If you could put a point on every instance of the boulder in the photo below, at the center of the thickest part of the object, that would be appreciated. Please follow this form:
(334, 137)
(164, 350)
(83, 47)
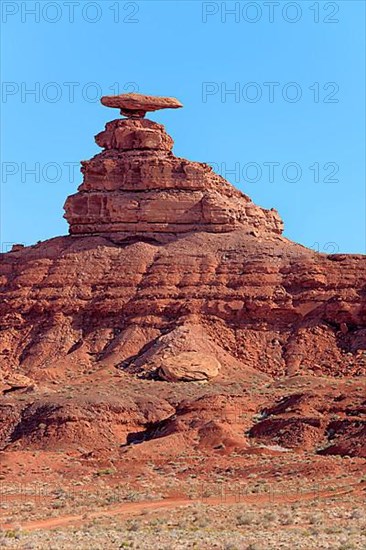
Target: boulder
(189, 366)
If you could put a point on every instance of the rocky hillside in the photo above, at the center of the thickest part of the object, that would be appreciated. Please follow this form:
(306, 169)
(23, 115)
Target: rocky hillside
(172, 278)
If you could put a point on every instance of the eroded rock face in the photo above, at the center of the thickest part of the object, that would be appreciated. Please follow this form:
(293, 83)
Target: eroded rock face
(133, 135)
(170, 276)
(273, 306)
(327, 420)
(136, 186)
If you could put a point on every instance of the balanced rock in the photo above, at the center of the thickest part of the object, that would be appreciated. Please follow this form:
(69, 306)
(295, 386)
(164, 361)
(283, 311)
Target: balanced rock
(171, 275)
(136, 186)
(137, 105)
(156, 239)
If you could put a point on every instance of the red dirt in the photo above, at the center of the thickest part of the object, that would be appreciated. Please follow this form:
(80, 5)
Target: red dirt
(134, 509)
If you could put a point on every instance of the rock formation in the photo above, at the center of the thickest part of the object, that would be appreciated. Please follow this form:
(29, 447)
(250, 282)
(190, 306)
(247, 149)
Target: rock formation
(171, 276)
(136, 186)
(137, 105)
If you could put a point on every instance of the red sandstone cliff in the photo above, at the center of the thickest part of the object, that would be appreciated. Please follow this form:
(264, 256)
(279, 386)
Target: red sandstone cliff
(171, 275)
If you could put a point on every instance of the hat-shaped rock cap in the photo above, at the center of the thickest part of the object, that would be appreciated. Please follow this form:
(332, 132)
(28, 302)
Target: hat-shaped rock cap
(137, 105)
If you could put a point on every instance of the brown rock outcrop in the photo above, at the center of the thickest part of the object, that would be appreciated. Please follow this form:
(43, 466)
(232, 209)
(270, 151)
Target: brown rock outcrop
(325, 420)
(136, 186)
(170, 275)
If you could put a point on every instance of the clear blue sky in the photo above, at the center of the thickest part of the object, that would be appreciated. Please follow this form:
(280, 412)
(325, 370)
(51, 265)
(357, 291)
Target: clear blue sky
(198, 52)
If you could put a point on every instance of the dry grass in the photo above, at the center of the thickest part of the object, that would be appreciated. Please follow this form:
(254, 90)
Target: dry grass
(337, 524)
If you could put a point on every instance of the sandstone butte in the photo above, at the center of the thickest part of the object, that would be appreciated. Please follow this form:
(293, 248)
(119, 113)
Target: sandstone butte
(176, 315)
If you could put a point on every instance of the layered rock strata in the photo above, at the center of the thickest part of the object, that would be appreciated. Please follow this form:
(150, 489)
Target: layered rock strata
(136, 186)
(173, 285)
